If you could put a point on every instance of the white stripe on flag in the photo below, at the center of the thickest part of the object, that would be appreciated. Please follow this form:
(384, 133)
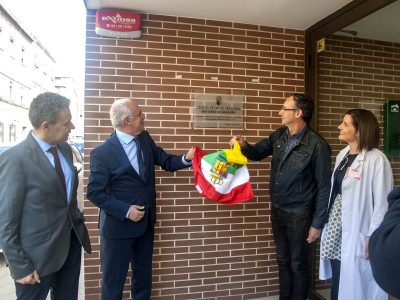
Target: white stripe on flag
(229, 183)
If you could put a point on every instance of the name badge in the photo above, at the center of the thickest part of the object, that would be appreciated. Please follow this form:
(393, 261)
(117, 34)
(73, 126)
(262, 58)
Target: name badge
(354, 173)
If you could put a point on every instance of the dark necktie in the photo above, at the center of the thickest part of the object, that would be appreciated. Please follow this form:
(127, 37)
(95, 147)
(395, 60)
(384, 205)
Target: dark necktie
(142, 168)
(57, 165)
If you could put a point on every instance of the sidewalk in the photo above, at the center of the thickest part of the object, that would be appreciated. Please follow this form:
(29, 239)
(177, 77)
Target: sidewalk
(7, 288)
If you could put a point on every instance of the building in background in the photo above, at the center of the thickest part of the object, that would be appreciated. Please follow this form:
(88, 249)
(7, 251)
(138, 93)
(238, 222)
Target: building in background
(66, 86)
(26, 69)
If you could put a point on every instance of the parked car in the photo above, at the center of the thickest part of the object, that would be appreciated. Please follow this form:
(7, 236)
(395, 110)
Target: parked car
(4, 147)
(78, 164)
(78, 141)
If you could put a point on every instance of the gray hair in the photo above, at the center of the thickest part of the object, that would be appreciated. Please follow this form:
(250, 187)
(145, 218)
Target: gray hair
(119, 111)
(46, 108)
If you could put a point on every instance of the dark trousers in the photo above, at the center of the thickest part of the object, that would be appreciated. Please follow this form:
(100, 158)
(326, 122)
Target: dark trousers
(116, 255)
(290, 233)
(63, 284)
(335, 265)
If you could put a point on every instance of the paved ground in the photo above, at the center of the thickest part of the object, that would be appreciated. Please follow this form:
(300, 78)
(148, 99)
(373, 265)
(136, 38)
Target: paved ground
(6, 284)
(7, 289)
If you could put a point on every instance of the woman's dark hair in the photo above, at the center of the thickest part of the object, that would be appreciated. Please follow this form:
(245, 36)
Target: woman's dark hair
(306, 105)
(367, 127)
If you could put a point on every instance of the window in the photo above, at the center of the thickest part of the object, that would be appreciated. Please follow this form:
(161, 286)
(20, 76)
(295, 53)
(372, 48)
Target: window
(35, 62)
(22, 55)
(1, 42)
(12, 44)
(1, 132)
(21, 96)
(11, 92)
(13, 133)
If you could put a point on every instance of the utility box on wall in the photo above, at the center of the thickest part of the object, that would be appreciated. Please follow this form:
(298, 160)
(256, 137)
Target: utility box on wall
(392, 128)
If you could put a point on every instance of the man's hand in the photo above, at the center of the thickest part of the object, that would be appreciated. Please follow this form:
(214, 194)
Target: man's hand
(30, 279)
(136, 213)
(189, 155)
(238, 138)
(313, 234)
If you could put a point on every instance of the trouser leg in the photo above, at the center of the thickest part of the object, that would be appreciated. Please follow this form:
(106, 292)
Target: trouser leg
(115, 257)
(66, 281)
(142, 266)
(335, 265)
(282, 253)
(298, 226)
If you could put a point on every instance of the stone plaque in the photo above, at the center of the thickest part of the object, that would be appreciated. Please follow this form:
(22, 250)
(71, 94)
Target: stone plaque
(218, 111)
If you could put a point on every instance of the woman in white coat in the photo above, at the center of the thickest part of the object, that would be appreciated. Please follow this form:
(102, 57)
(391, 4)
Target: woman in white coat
(361, 181)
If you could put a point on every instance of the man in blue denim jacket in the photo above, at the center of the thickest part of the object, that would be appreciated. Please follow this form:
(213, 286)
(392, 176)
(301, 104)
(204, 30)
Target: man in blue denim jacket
(299, 190)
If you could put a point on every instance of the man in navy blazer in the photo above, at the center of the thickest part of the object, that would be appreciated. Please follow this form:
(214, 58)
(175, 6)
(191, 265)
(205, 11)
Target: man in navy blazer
(122, 185)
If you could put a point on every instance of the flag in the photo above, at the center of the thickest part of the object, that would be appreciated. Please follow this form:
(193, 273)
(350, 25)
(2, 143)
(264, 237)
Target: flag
(222, 176)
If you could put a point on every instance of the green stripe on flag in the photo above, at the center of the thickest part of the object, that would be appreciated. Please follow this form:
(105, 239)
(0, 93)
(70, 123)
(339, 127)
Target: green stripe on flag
(221, 156)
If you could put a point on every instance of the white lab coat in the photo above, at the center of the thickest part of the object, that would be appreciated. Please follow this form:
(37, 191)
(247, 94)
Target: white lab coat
(365, 187)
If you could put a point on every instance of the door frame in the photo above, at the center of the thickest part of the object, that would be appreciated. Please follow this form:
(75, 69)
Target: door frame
(343, 17)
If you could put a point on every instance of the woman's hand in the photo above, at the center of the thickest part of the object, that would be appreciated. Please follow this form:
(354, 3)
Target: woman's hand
(366, 252)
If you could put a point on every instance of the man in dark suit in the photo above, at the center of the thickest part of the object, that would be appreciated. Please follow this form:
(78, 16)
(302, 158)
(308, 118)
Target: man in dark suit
(122, 185)
(384, 248)
(41, 228)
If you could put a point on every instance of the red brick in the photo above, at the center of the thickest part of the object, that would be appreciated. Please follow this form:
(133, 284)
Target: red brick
(171, 25)
(150, 38)
(162, 32)
(191, 34)
(162, 18)
(191, 48)
(233, 32)
(145, 66)
(178, 68)
(131, 43)
(218, 23)
(101, 41)
(245, 26)
(191, 20)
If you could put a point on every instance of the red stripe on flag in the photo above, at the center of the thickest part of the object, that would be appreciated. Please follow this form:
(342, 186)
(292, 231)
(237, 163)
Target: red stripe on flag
(239, 194)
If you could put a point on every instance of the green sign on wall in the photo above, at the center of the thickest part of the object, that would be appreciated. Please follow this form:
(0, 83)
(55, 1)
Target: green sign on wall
(392, 128)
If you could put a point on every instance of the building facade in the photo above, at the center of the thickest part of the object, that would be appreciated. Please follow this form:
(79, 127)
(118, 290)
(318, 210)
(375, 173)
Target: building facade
(204, 250)
(26, 69)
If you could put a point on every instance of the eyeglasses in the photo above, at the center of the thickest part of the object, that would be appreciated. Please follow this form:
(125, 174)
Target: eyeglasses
(285, 109)
(139, 115)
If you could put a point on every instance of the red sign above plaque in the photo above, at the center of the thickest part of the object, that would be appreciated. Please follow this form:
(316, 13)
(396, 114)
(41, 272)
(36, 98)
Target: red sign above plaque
(118, 23)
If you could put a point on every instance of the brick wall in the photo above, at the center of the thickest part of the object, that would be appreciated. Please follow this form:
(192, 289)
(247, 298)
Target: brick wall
(356, 73)
(202, 250)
